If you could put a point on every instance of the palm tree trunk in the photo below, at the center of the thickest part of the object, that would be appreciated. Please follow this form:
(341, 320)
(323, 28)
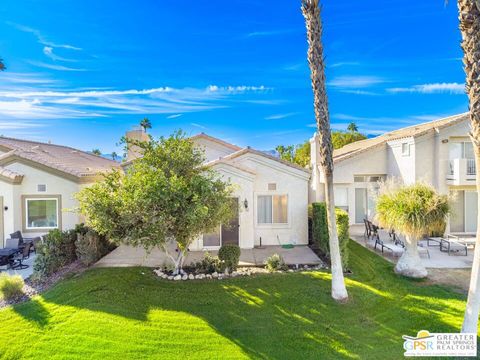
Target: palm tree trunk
(311, 12)
(469, 15)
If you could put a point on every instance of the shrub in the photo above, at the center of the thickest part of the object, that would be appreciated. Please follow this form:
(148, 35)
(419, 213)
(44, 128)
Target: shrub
(11, 286)
(91, 246)
(320, 230)
(274, 263)
(56, 251)
(230, 255)
(209, 264)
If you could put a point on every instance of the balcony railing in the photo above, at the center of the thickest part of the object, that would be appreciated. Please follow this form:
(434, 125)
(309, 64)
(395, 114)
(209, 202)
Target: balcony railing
(471, 170)
(461, 171)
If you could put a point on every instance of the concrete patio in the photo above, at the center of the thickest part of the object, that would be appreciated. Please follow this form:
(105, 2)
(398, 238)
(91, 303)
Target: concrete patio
(437, 260)
(25, 273)
(125, 256)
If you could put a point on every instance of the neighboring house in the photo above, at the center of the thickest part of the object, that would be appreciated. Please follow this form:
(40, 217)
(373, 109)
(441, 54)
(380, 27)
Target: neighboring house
(438, 152)
(271, 195)
(38, 182)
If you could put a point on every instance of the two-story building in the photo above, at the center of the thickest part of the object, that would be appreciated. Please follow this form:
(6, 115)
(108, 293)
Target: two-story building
(438, 152)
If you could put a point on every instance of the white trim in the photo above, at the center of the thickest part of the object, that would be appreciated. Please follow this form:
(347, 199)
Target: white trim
(43, 227)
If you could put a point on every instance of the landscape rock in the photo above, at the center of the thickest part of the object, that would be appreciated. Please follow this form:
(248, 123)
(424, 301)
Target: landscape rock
(177, 277)
(185, 277)
(215, 275)
(170, 277)
(208, 276)
(191, 277)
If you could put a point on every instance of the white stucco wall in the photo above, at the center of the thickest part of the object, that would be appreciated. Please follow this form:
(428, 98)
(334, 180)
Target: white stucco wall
(289, 181)
(399, 165)
(212, 149)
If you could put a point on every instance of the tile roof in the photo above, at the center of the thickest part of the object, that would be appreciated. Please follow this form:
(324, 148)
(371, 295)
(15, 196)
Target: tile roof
(412, 131)
(70, 161)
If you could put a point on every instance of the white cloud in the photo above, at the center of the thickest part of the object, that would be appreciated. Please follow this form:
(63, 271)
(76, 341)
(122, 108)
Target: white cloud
(350, 82)
(279, 116)
(344, 63)
(434, 88)
(41, 39)
(53, 66)
(35, 103)
(198, 126)
(174, 116)
(48, 51)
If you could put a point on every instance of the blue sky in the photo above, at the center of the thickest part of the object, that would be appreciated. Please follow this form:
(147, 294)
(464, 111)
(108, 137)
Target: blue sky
(81, 73)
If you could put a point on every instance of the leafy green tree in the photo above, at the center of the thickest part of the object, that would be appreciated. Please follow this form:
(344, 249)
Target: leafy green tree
(114, 155)
(412, 210)
(165, 197)
(341, 138)
(285, 152)
(302, 154)
(145, 124)
(96, 152)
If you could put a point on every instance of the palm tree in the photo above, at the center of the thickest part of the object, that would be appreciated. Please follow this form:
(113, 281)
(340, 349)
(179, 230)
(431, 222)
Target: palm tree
(2, 65)
(311, 12)
(114, 155)
(469, 15)
(96, 152)
(145, 124)
(352, 127)
(412, 210)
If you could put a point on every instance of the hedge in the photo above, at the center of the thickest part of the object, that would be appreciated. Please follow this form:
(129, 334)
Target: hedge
(318, 213)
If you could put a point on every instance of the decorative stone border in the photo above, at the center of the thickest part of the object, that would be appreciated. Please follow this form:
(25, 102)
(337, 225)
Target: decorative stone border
(246, 271)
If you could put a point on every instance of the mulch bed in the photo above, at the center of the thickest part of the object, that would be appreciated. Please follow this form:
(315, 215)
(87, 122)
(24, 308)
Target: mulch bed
(32, 288)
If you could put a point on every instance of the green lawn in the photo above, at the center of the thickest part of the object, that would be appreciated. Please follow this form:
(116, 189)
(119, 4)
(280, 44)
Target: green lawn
(130, 314)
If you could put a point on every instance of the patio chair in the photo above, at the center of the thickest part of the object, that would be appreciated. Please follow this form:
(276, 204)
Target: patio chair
(18, 259)
(394, 248)
(368, 230)
(22, 240)
(12, 243)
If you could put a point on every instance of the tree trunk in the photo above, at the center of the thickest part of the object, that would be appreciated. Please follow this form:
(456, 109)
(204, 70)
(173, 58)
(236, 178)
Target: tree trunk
(311, 12)
(177, 261)
(410, 263)
(469, 16)
(339, 291)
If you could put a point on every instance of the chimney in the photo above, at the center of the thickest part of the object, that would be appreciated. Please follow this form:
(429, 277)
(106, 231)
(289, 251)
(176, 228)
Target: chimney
(139, 134)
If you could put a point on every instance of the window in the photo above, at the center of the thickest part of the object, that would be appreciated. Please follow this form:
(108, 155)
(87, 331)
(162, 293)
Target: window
(272, 209)
(359, 178)
(461, 150)
(406, 149)
(41, 213)
(341, 197)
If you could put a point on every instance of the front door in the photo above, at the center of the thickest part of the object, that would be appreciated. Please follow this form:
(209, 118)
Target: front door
(225, 234)
(230, 232)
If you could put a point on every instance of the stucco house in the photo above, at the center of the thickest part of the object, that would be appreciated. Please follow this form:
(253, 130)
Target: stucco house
(271, 195)
(438, 152)
(37, 184)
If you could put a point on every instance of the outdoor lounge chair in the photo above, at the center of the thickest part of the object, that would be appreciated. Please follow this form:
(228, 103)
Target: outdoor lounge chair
(18, 259)
(394, 248)
(452, 244)
(399, 242)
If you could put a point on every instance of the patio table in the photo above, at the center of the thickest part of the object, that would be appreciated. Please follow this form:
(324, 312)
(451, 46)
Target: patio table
(8, 253)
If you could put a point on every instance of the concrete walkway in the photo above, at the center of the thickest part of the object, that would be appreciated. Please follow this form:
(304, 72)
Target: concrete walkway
(125, 256)
(24, 273)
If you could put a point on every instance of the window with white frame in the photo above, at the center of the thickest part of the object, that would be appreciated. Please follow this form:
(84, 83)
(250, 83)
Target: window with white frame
(406, 149)
(272, 209)
(341, 197)
(41, 213)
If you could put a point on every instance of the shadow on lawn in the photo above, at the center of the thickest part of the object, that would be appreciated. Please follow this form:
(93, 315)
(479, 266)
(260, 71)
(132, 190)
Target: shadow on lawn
(280, 316)
(34, 312)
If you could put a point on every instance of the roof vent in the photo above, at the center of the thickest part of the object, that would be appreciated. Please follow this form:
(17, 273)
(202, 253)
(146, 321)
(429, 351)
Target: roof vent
(272, 186)
(41, 188)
